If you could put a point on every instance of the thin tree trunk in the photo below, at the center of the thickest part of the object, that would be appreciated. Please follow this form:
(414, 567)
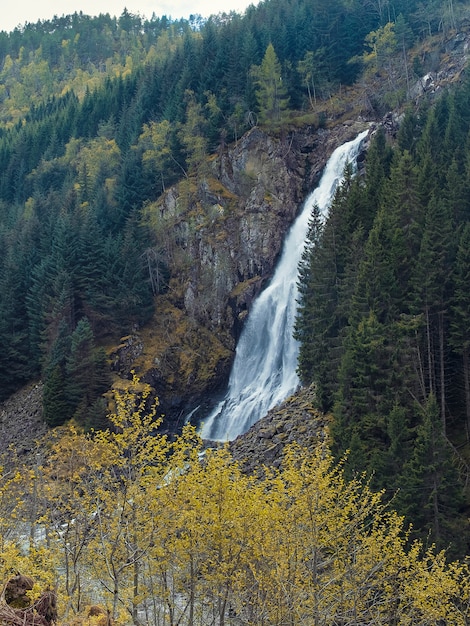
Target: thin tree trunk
(405, 60)
(442, 371)
(435, 504)
(192, 593)
(136, 568)
(430, 359)
(466, 376)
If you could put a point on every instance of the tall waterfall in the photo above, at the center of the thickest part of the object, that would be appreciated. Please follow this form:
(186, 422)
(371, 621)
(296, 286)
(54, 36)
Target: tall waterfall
(264, 370)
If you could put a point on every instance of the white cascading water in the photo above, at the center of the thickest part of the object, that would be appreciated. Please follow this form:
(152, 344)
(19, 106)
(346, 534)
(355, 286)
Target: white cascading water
(264, 371)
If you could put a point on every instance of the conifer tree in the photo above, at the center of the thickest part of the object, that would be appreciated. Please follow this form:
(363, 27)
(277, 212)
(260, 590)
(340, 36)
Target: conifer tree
(271, 93)
(460, 318)
(56, 405)
(305, 328)
(378, 160)
(329, 268)
(456, 192)
(377, 288)
(403, 200)
(16, 361)
(87, 372)
(362, 402)
(431, 281)
(431, 492)
(192, 133)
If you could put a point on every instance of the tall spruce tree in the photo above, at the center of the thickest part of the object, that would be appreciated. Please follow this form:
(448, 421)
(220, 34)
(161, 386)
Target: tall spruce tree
(431, 493)
(431, 283)
(271, 93)
(460, 321)
(363, 400)
(306, 327)
(87, 374)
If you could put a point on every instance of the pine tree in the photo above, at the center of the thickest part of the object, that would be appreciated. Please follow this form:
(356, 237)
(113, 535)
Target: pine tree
(362, 402)
(378, 160)
(402, 197)
(431, 492)
(17, 364)
(460, 317)
(79, 363)
(192, 134)
(271, 93)
(306, 326)
(431, 281)
(377, 287)
(56, 405)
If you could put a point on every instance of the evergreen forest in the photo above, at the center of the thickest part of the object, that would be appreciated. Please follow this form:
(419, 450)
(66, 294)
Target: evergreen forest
(383, 318)
(100, 116)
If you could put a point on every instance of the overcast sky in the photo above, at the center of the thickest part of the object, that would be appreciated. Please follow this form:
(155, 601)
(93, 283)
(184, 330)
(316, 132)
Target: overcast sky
(15, 12)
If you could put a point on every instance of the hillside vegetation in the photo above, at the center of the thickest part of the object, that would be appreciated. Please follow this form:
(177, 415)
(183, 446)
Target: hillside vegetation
(383, 317)
(139, 530)
(92, 134)
(120, 139)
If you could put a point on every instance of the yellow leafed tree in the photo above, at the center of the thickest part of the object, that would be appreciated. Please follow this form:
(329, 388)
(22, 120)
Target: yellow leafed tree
(162, 534)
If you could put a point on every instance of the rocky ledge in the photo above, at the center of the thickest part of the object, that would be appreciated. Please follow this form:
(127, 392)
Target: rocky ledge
(222, 234)
(294, 421)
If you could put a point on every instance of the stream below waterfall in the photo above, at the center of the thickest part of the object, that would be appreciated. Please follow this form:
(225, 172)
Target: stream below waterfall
(264, 371)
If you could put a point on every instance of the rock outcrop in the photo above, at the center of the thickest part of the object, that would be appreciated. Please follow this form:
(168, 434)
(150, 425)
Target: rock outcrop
(294, 421)
(21, 423)
(222, 234)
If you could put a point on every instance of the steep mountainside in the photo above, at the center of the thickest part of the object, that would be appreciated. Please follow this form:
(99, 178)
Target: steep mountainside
(217, 237)
(227, 232)
(145, 191)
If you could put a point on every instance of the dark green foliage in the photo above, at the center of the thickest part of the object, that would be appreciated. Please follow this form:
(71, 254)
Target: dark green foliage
(15, 365)
(383, 284)
(393, 303)
(360, 406)
(306, 325)
(75, 375)
(460, 324)
(328, 271)
(55, 402)
(86, 369)
(379, 157)
(432, 493)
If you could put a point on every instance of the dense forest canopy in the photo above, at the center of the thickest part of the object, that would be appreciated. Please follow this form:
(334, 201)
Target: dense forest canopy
(383, 317)
(99, 116)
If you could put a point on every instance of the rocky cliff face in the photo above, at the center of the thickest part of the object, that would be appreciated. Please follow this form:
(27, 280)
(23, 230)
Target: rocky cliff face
(222, 234)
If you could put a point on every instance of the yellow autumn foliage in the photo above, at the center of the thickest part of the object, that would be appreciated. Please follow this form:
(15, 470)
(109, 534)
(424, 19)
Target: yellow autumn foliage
(156, 531)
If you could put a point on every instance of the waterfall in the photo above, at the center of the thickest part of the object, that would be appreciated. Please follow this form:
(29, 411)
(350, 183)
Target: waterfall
(264, 370)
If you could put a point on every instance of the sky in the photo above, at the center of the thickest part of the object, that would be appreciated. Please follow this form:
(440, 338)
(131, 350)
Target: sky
(17, 12)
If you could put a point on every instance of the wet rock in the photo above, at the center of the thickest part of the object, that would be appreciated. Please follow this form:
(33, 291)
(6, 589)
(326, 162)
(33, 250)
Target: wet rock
(227, 232)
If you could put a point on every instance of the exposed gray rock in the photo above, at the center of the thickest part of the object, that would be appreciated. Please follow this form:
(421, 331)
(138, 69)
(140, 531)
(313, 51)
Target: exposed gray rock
(294, 421)
(21, 423)
(126, 353)
(225, 232)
